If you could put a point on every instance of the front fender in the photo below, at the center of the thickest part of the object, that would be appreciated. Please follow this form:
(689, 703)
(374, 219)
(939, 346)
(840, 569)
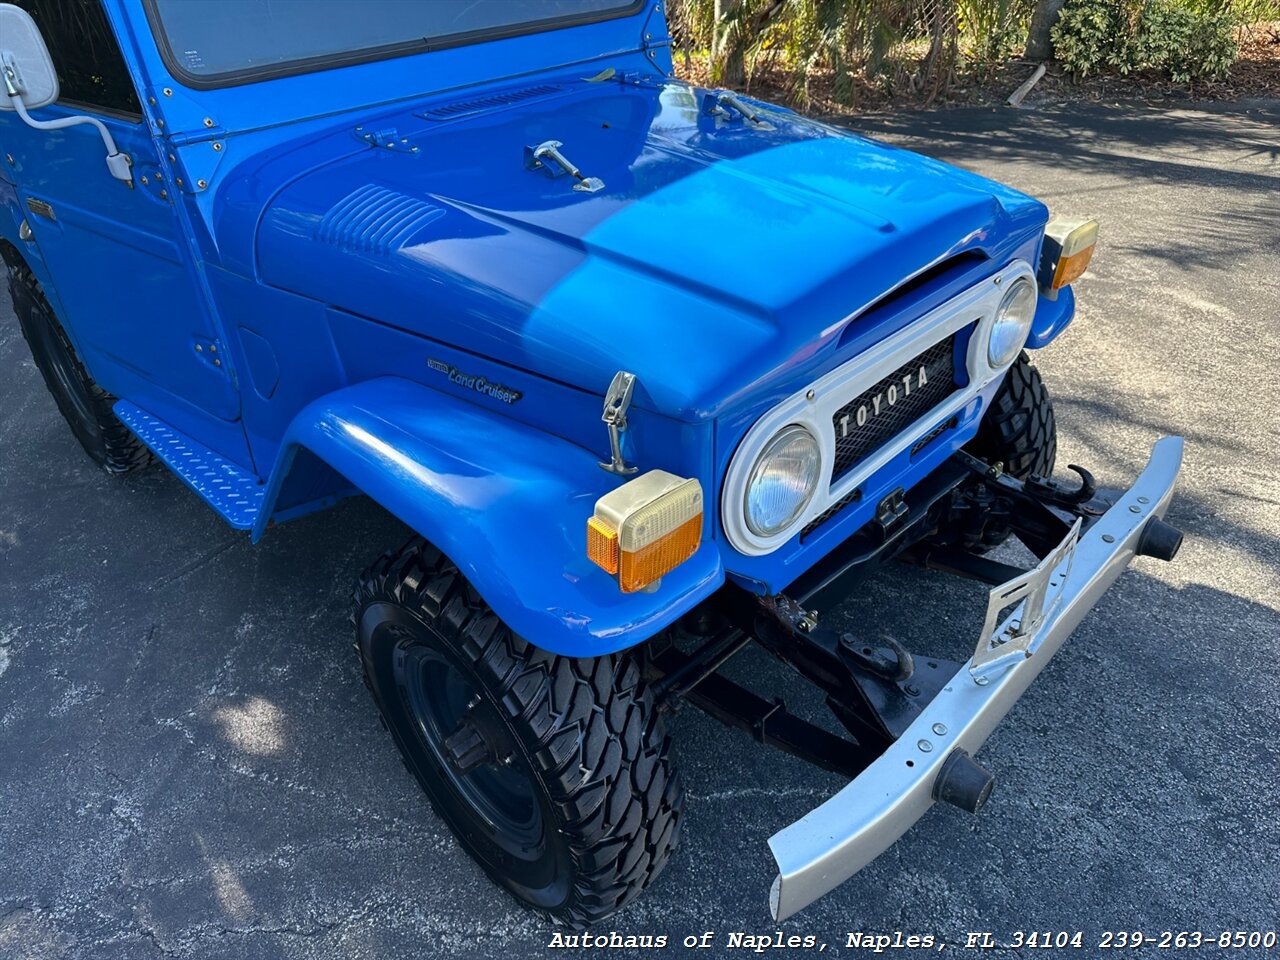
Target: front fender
(1052, 317)
(507, 503)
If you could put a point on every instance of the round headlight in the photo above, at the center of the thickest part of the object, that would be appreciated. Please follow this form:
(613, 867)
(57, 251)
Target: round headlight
(783, 481)
(1012, 323)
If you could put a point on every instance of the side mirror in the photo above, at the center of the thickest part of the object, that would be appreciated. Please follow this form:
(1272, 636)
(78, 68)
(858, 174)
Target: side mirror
(31, 82)
(25, 59)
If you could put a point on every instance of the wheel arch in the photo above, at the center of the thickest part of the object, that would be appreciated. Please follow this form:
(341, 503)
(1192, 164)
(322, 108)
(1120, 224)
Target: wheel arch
(508, 504)
(13, 249)
(15, 257)
(16, 252)
(10, 254)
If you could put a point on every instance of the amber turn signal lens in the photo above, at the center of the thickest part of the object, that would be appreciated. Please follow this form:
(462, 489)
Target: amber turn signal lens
(602, 545)
(648, 564)
(646, 528)
(1071, 268)
(1066, 252)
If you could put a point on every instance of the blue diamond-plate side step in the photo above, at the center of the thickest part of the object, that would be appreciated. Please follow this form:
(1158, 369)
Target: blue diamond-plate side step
(230, 489)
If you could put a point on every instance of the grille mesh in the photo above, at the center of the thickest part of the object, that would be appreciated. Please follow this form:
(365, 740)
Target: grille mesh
(882, 411)
(934, 434)
(828, 513)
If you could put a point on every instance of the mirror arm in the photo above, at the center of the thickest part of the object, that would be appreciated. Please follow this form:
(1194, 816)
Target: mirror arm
(118, 163)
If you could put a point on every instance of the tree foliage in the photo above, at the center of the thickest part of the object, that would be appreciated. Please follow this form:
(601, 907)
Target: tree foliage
(923, 47)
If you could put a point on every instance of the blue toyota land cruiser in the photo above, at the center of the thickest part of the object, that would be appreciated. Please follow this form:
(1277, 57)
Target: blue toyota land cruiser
(653, 372)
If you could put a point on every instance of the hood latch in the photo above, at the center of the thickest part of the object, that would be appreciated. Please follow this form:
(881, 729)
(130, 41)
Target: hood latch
(722, 103)
(617, 401)
(536, 158)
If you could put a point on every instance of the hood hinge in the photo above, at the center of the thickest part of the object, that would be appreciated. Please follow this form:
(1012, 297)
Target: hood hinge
(656, 41)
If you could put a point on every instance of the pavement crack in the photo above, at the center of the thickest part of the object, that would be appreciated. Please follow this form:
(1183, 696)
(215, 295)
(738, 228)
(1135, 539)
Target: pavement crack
(203, 560)
(149, 935)
(13, 909)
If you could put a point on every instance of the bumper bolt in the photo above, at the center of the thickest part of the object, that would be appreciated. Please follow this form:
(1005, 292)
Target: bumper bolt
(925, 746)
(940, 729)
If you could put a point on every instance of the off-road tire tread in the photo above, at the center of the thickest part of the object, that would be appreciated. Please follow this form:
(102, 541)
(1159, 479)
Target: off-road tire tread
(1019, 430)
(122, 451)
(588, 725)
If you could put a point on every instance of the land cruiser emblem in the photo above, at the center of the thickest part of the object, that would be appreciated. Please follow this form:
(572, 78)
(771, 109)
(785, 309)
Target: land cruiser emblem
(474, 381)
(883, 400)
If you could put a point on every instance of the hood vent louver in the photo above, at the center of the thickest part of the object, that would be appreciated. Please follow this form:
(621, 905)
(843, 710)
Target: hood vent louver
(375, 220)
(467, 108)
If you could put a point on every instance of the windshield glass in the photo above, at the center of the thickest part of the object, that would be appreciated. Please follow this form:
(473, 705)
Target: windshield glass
(209, 39)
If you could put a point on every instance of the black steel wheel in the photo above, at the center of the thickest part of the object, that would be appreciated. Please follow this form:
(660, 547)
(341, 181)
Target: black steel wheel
(1019, 429)
(554, 773)
(83, 404)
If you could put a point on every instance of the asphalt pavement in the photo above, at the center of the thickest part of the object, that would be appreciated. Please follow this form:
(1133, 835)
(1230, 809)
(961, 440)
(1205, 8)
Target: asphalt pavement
(190, 766)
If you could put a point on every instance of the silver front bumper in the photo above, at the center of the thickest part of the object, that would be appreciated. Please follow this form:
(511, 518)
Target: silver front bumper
(836, 840)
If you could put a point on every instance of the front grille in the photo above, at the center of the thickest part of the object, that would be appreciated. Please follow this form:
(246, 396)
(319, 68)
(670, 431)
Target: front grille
(883, 411)
(830, 512)
(934, 434)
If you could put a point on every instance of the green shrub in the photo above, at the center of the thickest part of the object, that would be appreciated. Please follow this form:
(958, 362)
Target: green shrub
(1187, 43)
(1091, 35)
(1185, 40)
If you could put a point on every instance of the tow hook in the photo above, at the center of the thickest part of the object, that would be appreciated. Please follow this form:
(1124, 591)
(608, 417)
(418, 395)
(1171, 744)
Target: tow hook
(963, 782)
(863, 656)
(1048, 491)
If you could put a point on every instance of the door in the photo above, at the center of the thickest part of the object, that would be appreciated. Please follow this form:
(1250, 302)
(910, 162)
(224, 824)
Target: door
(125, 286)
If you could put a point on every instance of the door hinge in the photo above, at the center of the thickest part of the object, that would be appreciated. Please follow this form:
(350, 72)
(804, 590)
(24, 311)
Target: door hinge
(211, 352)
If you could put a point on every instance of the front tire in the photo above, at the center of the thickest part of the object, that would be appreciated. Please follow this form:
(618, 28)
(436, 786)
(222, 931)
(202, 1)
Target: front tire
(1019, 429)
(554, 773)
(83, 404)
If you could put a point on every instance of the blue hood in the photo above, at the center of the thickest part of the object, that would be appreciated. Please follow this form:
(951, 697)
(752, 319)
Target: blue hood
(720, 256)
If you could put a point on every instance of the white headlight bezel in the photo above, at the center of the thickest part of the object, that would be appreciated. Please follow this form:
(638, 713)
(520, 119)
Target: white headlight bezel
(1001, 317)
(778, 440)
(814, 405)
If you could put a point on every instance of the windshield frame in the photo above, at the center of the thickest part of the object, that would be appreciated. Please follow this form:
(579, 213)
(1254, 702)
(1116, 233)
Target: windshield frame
(291, 68)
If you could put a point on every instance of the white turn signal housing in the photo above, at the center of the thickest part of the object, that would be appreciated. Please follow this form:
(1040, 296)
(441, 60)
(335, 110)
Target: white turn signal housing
(645, 529)
(1068, 248)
